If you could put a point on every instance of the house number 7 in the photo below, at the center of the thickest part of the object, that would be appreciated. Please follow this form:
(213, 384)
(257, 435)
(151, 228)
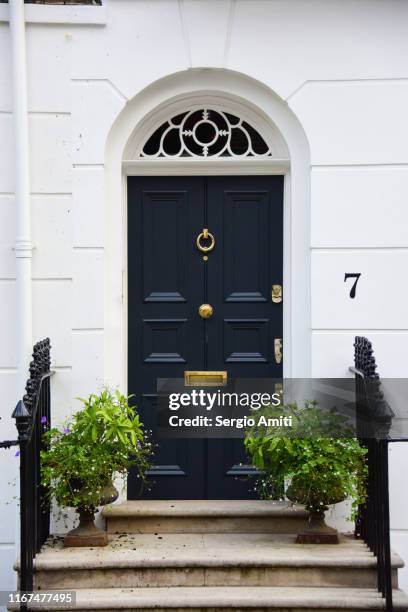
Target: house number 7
(353, 288)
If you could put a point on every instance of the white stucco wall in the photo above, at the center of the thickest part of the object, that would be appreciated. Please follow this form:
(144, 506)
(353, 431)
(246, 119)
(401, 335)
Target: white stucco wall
(340, 66)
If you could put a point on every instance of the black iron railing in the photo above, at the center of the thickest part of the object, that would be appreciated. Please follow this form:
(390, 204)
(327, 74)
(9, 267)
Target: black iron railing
(33, 417)
(373, 419)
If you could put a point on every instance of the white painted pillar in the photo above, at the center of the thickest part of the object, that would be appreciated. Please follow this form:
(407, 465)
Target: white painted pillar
(23, 246)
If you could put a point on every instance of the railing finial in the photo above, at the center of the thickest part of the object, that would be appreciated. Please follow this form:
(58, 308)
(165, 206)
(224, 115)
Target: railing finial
(23, 420)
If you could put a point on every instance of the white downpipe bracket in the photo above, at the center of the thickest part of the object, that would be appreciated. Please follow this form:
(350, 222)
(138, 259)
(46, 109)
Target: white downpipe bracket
(23, 245)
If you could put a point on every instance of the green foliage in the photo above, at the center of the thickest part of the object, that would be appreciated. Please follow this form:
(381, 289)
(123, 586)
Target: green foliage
(101, 441)
(318, 454)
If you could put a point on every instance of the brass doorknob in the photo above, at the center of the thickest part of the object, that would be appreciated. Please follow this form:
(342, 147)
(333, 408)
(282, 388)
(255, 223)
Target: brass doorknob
(205, 311)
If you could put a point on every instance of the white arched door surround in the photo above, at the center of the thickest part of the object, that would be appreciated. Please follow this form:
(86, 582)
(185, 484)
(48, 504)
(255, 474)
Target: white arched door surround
(270, 116)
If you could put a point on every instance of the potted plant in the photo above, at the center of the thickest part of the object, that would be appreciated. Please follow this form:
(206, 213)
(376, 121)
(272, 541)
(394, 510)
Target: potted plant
(79, 462)
(320, 458)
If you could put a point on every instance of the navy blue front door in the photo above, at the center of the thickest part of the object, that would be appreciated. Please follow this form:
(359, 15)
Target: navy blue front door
(169, 278)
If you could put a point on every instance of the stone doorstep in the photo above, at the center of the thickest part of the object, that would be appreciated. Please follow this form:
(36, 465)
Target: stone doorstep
(205, 525)
(207, 550)
(266, 608)
(214, 599)
(214, 577)
(201, 508)
(205, 516)
(137, 561)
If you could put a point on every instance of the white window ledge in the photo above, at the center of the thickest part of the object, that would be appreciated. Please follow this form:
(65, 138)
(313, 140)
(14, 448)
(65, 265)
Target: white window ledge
(65, 14)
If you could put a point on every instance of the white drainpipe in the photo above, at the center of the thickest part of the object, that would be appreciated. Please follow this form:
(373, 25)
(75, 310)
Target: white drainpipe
(23, 246)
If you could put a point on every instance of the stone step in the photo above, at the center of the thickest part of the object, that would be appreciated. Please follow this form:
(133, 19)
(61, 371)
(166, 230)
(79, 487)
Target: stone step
(236, 599)
(198, 560)
(204, 516)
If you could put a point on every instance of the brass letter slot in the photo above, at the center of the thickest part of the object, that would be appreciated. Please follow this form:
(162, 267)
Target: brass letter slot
(204, 379)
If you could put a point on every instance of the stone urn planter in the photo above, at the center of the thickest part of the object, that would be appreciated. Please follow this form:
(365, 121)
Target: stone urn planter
(87, 533)
(101, 441)
(319, 455)
(316, 532)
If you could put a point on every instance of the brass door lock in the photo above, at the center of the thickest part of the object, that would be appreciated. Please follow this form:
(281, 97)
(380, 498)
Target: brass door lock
(205, 311)
(278, 350)
(276, 294)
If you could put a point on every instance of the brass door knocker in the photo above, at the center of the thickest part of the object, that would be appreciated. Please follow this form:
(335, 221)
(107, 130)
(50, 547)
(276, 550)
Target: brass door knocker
(207, 236)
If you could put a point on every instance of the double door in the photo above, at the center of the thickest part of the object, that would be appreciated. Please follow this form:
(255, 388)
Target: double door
(215, 243)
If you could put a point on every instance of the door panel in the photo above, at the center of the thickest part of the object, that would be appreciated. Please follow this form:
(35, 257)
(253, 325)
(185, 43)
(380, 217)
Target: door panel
(168, 280)
(164, 340)
(165, 336)
(245, 214)
(246, 340)
(246, 233)
(164, 245)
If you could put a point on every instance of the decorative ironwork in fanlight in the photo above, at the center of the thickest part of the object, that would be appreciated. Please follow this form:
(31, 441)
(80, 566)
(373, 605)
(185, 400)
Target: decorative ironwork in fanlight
(205, 133)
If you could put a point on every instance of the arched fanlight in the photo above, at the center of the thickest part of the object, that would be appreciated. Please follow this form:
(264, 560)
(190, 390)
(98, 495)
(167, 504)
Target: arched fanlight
(205, 133)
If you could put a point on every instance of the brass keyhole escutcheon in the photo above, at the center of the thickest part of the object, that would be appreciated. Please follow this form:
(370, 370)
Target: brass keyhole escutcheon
(207, 236)
(205, 311)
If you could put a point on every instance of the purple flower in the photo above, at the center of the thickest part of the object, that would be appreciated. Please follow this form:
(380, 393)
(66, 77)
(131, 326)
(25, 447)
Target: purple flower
(43, 419)
(17, 454)
(65, 430)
